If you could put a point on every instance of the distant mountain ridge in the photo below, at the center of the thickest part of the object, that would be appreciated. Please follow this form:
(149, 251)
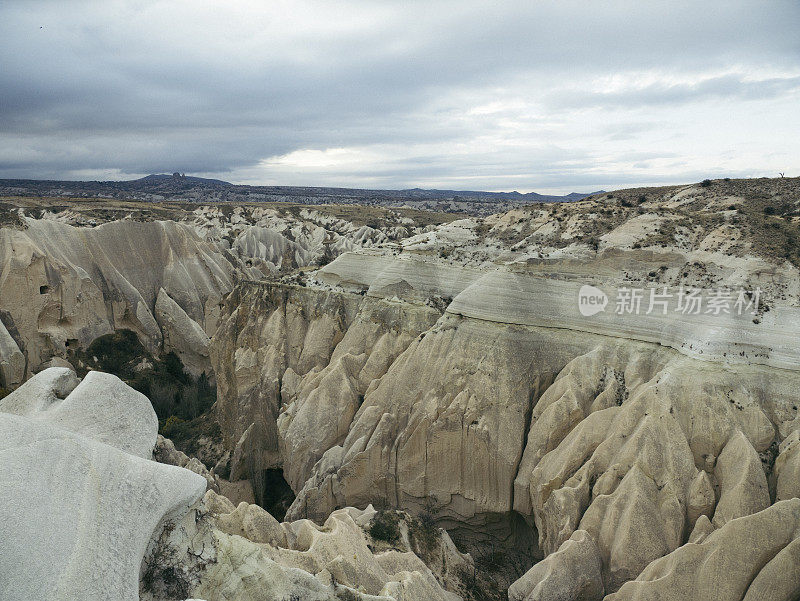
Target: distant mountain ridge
(161, 177)
(186, 188)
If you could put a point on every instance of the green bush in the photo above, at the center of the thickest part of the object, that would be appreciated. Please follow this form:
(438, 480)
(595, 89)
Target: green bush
(174, 392)
(171, 390)
(384, 526)
(116, 352)
(428, 531)
(169, 426)
(705, 183)
(188, 434)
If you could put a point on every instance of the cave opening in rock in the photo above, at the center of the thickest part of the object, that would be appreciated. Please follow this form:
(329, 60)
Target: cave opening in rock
(272, 492)
(503, 545)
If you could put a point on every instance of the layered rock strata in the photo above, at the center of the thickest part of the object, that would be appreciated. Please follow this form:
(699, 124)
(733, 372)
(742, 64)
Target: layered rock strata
(508, 403)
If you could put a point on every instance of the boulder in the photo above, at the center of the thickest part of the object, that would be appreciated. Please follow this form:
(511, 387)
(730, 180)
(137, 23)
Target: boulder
(165, 452)
(82, 500)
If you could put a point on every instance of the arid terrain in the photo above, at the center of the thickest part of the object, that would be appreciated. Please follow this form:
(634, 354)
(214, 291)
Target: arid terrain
(180, 188)
(264, 400)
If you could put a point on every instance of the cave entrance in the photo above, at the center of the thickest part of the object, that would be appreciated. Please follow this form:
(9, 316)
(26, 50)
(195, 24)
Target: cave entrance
(272, 492)
(503, 545)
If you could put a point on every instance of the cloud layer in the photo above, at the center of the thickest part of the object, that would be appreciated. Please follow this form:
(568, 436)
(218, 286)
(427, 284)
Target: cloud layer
(547, 96)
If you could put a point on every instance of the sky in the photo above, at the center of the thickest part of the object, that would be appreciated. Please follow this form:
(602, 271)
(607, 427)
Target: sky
(546, 96)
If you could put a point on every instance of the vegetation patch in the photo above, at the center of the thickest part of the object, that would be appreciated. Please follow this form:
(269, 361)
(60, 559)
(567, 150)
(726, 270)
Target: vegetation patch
(772, 234)
(424, 533)
(173, 392)
(10, 218)
(385, 526)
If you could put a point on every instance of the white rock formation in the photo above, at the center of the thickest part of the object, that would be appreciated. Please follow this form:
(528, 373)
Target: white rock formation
(81, 498)
(572, 572)
(64, 285)
(753, 557)
(12, 361)
(508, 296)
(182, 335)
(626, 440)
(449, 369)
(253, 557)
(271, 247)
(84, 506)
(101, 406)
(787, 467)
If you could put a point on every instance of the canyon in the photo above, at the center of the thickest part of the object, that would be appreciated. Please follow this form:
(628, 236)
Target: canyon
(427, 374)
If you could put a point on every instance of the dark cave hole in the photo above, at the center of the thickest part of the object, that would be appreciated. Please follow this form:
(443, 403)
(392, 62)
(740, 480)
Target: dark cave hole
(273, 493)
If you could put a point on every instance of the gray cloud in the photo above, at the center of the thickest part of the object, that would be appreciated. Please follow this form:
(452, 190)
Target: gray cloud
(729, 87)
(518, 95)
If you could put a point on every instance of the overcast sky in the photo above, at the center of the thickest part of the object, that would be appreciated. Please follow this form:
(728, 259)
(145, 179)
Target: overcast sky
(554, 96)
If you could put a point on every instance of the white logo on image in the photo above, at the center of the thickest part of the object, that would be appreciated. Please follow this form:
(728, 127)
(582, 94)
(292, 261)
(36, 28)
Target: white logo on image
(591, 300)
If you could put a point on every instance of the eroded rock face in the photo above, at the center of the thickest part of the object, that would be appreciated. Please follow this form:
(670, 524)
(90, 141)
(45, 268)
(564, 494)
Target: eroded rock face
(787, 467)
(752, 557)
(87, 514)
(244, 553)
(473, 419)
(445, 425)
(66, 285)
(12, 361)
(458, 378)
(276, 347)
(81, 497)
(182, 335)
(572, 572)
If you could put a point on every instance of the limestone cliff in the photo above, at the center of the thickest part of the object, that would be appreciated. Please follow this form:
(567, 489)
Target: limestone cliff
(509, 414)
(63, 286)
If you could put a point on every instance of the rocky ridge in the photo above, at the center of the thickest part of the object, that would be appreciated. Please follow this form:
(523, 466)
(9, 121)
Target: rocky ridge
(71, 273)
(82, 450)
(449, 372)
(640, 431)
(179, 187)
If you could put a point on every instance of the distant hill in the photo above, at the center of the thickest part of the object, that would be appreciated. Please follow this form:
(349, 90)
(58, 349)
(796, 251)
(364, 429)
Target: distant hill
(512, 196)
(186, 188)
(163, 177)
